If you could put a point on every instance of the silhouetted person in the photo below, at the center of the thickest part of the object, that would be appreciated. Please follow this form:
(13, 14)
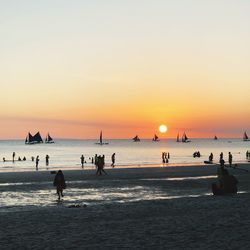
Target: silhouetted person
(13, 156)
(19, 158)
(96, 160)
(220, 172)
(92, 160)
(230, 159)
(163, 157)
(4, 159)
(59, 183)
(24, 158)
(113, 160)
(82, 160)
(168, 155)
(32, 158)
(211, 157)
(47, 160)
(37, 162)
(222, 162)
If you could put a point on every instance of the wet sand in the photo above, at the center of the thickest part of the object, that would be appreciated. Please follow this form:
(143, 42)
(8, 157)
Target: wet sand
(140, 208)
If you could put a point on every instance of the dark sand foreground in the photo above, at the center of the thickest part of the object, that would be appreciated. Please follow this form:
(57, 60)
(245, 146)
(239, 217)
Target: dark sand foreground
(182, 215)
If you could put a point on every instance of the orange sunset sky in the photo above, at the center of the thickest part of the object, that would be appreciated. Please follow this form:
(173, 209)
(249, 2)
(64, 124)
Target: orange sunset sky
(75, 67)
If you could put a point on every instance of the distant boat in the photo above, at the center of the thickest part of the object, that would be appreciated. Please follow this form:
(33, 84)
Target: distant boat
(178, 138)
(101, 140)
(156, 138)
(245, 137)
(49, 139)
(185, 138)
(215, 137)
(30, 139)
(136, 138)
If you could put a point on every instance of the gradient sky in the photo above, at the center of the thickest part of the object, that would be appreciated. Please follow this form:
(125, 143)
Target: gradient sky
(75, 67)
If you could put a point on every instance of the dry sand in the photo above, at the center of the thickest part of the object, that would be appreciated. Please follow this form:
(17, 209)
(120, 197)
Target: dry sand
(141, 208)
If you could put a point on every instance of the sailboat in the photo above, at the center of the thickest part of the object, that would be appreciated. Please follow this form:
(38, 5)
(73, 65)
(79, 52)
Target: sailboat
(156, 138)
(101, 141)
(49, 139)
(30, 139)
(215, 137)
(178, 138)
(185, 138)
(136, 138)
(245, 137)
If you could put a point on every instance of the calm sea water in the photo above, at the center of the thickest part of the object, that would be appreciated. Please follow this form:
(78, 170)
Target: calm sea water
(66, 153)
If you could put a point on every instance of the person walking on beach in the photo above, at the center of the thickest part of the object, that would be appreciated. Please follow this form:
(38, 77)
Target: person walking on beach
(37, 162)
(230, 159)
(113, 160)
(59, 183)
(100, 165)
(47, 160)
(13, 156)
(82, 160)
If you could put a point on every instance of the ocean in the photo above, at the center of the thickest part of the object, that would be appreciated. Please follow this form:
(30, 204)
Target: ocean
(65, 154)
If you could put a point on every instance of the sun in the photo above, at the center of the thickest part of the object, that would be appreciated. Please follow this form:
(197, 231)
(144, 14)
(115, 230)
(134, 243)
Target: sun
(163, 128)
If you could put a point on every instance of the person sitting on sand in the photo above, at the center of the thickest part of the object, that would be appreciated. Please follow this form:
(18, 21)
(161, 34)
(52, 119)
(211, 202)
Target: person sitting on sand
(59, 183)
(24, 158)
(227, 184)
(221, 171)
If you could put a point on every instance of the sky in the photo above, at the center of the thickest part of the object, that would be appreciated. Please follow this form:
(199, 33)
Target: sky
(72, 68)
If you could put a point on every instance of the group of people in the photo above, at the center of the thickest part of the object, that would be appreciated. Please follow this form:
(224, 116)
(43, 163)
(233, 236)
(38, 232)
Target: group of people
(33, 159)
(230, 159)
(197, 154)
(94, 160)
(165, 157)
(100, 163)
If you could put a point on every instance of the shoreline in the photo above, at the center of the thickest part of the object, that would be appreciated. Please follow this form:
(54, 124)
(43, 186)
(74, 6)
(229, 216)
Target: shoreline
(131, 172)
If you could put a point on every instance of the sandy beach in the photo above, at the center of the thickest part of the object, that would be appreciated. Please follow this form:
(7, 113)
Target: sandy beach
(135, 208)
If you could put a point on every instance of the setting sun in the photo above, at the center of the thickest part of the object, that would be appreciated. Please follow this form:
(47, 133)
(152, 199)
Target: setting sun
(163, 128)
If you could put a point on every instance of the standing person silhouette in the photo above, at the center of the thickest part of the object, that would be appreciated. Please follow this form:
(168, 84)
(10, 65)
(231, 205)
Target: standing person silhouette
(37, 162)
(230, 159)
(222, 162)
(82, 161)
(47, 160)
(13, 156)
(113, 160)
(59, 183)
